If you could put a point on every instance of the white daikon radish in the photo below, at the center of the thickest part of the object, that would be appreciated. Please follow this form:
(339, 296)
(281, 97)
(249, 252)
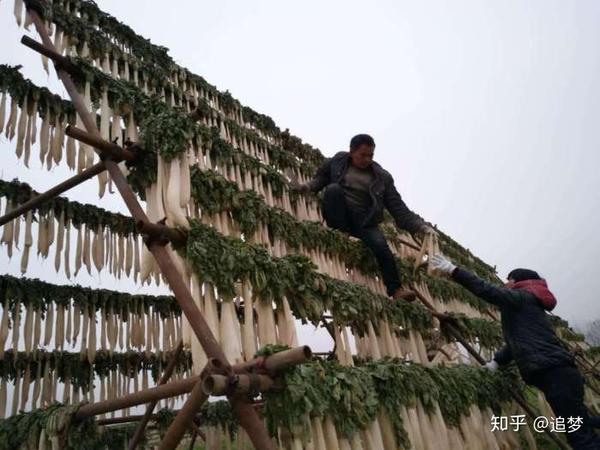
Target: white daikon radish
(387, 430)
(49, 233)
(147, 265)
(16, 394)
(78, 250)
(67, 251)
(439, 427)
(59, 328)
(197, 296)
(3, 398)
(18, 11)
(485, 421)
(71, 153)
(84, 334)
(105, 133)
(249, 337)
(121, 254)
(111, 331)
(121, 333)
(25, 387)
(210, 309)
(174, 212)
(91, 347)
(97, 259)
(49, 324)
(46, 394)
(331, 438)
(86, 250)
(8, 230)
(36, 386)
(76, 321)
(2, 111)
(12, 120)
(57, 141)
(28, 135)
(136, 258)
(185, 187)
(4, 327)
(266, 322)
(373, 346)
(16, 326)
(37, 328)
(229, 332)
(340, 352)
(131, 133)
(45, 135)
(318, 434)
(103, 327)
(69, 329)
(60, 238)
(21, 128)
(128, 255)
(28, 329)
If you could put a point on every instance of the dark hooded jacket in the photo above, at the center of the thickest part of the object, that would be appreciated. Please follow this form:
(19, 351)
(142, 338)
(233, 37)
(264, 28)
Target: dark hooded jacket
(382, 190)
(530, 339)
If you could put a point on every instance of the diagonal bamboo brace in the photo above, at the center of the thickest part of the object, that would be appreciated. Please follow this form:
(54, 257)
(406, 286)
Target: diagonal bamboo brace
(59, 60)
(185, 418)
(107, 148)
(42, 198)
(139, 432)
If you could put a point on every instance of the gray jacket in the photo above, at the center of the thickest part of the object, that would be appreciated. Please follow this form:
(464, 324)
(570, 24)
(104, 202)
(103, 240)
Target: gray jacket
(382, 190)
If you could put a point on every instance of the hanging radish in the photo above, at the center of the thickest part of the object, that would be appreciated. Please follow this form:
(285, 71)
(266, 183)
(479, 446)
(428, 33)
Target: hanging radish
(21, 128)
(229, 332)
(173, 209)
(2, 111)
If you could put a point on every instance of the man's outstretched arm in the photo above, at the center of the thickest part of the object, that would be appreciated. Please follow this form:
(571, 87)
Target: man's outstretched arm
(321, 179)
(405, 219)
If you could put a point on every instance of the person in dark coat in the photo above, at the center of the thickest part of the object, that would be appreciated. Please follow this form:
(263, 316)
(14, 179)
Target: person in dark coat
(532, 343)
(355, 192)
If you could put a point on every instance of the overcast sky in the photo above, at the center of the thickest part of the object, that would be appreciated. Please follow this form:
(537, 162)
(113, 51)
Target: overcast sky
(486, 113)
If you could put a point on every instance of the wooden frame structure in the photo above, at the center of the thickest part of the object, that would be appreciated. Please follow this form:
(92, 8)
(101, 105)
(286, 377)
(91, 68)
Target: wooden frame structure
(157, 236)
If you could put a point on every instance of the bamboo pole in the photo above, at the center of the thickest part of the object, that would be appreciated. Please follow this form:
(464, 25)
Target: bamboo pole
(107, 148)
(53, 192)
(238, 384)
(137, 398)
(184, 418)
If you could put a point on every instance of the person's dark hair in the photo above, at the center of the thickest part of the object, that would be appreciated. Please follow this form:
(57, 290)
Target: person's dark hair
(361, 139)
(523, 274)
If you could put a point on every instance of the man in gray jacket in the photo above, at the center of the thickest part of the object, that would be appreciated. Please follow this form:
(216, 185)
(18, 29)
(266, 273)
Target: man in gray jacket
(355, 191)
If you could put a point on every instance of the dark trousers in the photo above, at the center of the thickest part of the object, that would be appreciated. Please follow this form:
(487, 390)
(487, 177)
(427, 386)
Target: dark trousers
(337, 215)
(563, 389)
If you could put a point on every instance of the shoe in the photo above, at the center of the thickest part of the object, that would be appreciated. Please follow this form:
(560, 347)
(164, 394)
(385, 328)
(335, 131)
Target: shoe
(404, 294)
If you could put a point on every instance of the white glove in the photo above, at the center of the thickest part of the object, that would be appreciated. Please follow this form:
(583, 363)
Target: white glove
(491, 365)
(438, 262)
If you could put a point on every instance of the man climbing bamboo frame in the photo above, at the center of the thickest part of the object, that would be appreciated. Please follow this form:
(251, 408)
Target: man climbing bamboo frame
(356, 190)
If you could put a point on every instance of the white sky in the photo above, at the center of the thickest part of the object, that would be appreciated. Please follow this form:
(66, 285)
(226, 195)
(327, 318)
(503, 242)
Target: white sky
(486, 113)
